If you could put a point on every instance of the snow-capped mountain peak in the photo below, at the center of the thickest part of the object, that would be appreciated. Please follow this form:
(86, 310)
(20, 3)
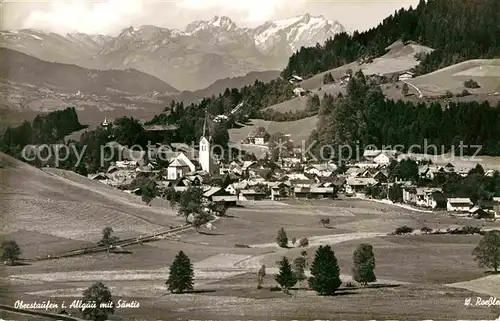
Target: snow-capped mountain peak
(192, 58)
(223, 23)
(304, 30)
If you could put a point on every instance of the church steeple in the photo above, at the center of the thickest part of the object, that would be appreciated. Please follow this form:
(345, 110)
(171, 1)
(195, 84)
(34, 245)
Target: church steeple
(204, 126)
(204, 153)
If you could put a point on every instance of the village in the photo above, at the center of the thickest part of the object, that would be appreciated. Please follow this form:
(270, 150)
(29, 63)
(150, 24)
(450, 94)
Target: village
(293, 176)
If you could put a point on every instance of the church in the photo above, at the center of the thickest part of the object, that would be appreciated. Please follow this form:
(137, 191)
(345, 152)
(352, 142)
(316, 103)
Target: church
(205, 157)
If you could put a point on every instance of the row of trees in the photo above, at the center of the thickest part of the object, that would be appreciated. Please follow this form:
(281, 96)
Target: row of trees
(325, 271)
(471, 32)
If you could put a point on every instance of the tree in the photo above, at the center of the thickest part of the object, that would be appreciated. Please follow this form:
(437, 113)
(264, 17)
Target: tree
(181, 274)
(149, 191)
(405, 89)
(99, 294)
(282, 238)
(328, 78)
(108, 238)
(190, 202)
(299, 264)
(260, 276)
(218, 207)
(324, 221)
(471, 83)
(395, 193)
(364, 264)
(325, 279)
(285, 278)
(10, 251)
(487, 253)
(313, 103)
(200, 219)
(304, 242)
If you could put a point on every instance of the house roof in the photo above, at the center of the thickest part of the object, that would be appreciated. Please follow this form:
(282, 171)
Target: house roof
(178, 163)
(99, 176)
(376, 152)
(211, 191)
(459, 200)
(250, 192)
(357, 181)
(353, 171)
(225, 198)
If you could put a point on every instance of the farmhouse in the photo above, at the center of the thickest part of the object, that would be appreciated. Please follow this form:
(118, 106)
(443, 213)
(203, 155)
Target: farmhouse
(424, 197)
(217, 194)
(458, 204)
(314, 192)
(251, 195)
(358, 185)
(344, 80)
(258, 137)
(321, 170)
(384, 158)
(295, 79)
(405, 76)
(220, 118)
(279, 190)
(299, 92)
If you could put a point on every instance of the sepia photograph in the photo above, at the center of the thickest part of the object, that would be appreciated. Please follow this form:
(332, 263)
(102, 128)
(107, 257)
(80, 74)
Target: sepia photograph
(270, 160)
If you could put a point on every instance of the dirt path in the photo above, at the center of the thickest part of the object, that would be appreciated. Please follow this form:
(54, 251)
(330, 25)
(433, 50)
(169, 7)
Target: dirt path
(327, 239)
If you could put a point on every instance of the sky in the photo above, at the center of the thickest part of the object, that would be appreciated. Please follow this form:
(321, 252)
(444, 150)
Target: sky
(111, 16)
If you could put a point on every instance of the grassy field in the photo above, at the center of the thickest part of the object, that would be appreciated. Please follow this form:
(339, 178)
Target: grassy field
(62, 205)
(485, 72)
(399, 58)
(430, 276)
(299, 130)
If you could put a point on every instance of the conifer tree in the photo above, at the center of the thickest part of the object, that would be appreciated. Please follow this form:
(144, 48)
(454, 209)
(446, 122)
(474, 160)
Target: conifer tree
(364, 264)
(299, 264)
(181, 274)
(325, 279)
(285, 278)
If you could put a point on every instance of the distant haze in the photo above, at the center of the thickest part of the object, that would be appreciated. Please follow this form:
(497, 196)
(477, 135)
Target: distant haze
(111, 16)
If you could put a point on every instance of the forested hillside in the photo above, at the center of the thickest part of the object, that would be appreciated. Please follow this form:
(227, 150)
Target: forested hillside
(253, 98)
(45, 129)
(365, 117)
(458, 30)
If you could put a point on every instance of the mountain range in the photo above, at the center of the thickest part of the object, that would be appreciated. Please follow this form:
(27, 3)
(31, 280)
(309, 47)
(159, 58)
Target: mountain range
(188, 59)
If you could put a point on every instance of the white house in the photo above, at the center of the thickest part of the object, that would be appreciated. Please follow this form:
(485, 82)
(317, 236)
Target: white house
(177, 169)
(321, 170)
(405, 76)
(458, 204)
(295, 79)
(220, 118)
(384, 158)
(357, 185)
(423, 197)
(299, 92)
(344, 80)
